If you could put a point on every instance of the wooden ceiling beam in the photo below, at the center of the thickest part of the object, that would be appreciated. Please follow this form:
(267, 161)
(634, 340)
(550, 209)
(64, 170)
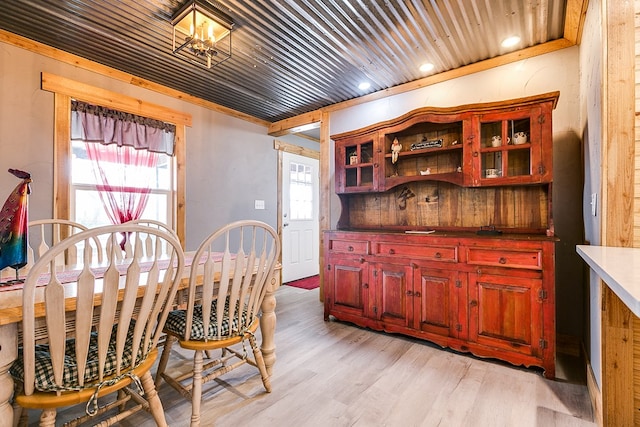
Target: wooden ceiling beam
(574, 20)
(296, 124)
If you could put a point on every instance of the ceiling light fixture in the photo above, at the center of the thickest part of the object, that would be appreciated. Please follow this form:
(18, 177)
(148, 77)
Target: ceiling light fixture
(426, 67)
(510, 41)
(202, 34)
(364, 85)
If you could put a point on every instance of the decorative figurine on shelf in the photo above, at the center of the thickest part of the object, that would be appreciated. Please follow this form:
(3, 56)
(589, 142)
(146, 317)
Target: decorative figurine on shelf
(353, 158)
(396, 147)
(13, 226)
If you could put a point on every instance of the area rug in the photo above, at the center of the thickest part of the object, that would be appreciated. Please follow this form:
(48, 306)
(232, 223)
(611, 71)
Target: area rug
(306, 283)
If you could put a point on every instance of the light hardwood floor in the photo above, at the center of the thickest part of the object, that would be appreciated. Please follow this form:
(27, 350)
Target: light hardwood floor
(336, 374)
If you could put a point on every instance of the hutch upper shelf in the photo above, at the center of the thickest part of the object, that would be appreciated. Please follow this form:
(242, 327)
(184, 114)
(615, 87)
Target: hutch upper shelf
(476, 145)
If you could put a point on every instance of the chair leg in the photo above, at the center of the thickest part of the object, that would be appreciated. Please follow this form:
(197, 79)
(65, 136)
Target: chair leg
(164, 358)
(48, 418)
(196, 391)
(257, 354)
(20, 414)
(155, 405)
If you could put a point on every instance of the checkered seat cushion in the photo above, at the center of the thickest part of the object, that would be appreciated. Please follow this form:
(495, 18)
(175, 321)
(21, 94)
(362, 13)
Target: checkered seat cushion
(44, 379)
(177, 323)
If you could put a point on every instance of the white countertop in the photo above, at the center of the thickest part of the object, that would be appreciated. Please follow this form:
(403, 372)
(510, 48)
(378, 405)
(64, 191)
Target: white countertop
(620, 270)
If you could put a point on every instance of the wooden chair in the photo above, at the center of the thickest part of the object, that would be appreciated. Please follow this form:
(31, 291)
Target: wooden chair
(148, 244)
(44, 233)
(110, 335)
(225, 295)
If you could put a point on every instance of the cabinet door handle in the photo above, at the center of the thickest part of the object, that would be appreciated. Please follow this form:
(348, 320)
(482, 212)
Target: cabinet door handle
(365, 285)
(350, 248)
(416, 294)
(375, 165)
(502, 260)
(409, 293)
(473, 303)
(361, 260)
(392, 251)
(438, 255)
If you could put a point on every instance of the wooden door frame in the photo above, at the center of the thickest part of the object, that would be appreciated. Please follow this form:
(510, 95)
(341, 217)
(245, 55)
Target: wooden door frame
(283, 147)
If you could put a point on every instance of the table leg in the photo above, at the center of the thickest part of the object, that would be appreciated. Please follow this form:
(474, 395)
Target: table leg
(268, 325)
(8, 353)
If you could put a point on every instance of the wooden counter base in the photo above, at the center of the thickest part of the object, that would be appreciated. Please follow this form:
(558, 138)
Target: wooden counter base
(490, 296)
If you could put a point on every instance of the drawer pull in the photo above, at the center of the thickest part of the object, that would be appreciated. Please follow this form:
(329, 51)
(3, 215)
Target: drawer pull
(392, 251)
(473, 303)
(438, 255)
(350, 248)
(361, 260)
(502, 260)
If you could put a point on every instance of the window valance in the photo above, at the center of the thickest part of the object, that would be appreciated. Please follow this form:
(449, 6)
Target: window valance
(93, 123)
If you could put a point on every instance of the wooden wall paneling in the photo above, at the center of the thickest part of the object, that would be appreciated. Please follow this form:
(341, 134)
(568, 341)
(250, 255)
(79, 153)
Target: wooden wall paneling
(618, 111)
(450, 207)
(475, 208)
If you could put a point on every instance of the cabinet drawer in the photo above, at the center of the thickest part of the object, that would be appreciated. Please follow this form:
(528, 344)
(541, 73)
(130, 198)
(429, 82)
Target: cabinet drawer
(526, 258)
(436, 253)
(357, 247)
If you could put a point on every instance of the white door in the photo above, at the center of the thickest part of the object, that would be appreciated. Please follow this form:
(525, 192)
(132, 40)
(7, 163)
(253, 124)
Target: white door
(300, 222)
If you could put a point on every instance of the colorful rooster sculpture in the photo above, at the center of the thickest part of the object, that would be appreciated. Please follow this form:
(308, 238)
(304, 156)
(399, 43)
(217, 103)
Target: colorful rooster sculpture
(14, 220)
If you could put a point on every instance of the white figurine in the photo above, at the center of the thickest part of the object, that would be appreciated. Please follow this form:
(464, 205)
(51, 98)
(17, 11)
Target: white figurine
(396, 147)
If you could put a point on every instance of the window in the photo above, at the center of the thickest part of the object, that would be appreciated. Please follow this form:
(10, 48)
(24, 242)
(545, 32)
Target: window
(86, 203)
(64, 90)
(301, 191)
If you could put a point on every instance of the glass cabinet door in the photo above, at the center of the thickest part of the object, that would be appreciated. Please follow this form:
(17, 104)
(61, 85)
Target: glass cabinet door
(356, 165)
(509, 149)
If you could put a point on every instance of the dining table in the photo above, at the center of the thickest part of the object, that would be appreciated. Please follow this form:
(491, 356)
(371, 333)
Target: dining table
(11, 319)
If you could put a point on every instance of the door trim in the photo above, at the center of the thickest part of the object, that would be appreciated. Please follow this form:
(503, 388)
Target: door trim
(282, 147)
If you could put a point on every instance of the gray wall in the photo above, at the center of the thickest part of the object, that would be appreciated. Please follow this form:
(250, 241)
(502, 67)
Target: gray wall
(229, 162)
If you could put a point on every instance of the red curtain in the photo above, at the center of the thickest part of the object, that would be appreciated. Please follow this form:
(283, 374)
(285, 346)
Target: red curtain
(116, 168)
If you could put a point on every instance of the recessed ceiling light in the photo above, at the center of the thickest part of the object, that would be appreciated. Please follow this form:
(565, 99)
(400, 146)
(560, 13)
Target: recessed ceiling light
(426, 67)
(510, 41)
(364, 85)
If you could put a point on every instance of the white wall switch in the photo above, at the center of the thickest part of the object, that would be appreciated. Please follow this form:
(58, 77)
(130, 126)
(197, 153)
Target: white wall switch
(259, 204)
(594, 204)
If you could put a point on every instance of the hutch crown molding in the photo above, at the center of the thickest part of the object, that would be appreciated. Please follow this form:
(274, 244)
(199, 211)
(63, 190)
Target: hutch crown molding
(446, 229)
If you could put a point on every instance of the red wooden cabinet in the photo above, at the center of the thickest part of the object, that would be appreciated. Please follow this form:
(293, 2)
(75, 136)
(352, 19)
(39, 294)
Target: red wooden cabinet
(451, 172)
(437, 297)
(462, 291)
(392, 287)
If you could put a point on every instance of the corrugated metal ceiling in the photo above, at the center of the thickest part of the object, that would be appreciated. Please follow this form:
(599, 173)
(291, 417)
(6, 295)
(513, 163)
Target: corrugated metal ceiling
(289, 57)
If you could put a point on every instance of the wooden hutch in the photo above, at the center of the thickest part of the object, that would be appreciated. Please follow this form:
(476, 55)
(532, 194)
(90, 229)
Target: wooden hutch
(449, 236)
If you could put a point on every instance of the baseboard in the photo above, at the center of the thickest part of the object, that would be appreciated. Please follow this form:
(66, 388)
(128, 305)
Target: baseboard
(594, 395)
